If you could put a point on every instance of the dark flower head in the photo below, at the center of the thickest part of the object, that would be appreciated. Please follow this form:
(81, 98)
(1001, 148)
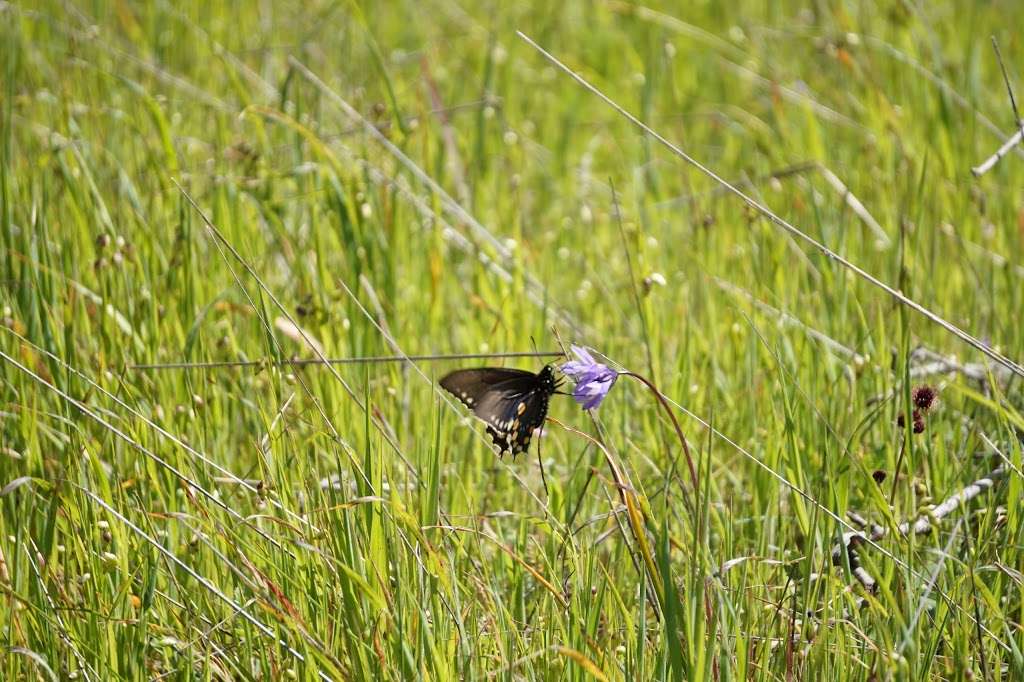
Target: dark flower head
(593, 379)
(923, 397)
(915, 417)
(917, 421)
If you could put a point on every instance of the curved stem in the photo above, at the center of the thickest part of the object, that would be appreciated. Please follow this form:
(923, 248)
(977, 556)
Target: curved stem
(679, 431)
(633, 513)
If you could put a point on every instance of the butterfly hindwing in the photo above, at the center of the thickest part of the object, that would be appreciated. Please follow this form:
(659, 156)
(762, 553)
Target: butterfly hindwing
(513, 403)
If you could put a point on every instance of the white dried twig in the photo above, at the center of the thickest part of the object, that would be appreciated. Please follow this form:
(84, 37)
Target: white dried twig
(1013, 141)
(922, 525)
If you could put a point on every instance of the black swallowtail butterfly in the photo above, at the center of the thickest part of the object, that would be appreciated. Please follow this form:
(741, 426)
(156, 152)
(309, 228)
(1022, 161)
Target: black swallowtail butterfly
(512, 402)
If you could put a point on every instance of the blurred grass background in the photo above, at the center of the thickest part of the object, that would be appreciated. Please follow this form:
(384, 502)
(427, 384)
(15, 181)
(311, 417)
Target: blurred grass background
(353, 523)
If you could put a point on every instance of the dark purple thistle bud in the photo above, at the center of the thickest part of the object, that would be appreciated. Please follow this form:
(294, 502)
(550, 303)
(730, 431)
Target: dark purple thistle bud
(901, 422)
(923, 397)
(593, 379)
(916, 420)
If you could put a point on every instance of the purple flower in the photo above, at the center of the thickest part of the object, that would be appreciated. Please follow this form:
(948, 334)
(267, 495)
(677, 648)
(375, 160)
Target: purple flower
(593, 379)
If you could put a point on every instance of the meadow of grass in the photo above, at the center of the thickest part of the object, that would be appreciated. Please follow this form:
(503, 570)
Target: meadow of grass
(209, 182)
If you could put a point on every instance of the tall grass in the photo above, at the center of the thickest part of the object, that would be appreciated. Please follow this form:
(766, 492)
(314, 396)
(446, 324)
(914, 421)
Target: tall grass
(192, 182)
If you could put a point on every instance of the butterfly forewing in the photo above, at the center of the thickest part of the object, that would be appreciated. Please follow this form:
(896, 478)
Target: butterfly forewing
(471, 385)
(512, 402)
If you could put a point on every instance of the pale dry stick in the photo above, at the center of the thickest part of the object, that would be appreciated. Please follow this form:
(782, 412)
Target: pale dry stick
(862, 575)
(778, 221)
(925, 522)
(863, 523)
(1000, 153)
(922, 525)
(228, 474)
(138, 446)
(1007, 147)
(974, 371)
(201, 579)
(449, 204)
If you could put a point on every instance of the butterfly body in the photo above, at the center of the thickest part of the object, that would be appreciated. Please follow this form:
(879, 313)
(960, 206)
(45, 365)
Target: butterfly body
(512, 402)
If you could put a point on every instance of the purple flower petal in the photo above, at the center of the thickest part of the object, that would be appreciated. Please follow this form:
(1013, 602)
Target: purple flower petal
(584, 355)
(593, 379)
(576, 367)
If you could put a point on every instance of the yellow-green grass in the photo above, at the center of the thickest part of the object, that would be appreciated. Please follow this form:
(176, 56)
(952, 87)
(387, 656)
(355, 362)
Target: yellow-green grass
(413, 177)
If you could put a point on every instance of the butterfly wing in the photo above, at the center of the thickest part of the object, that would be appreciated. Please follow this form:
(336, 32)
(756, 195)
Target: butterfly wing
(471, 385)
(513, 403)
